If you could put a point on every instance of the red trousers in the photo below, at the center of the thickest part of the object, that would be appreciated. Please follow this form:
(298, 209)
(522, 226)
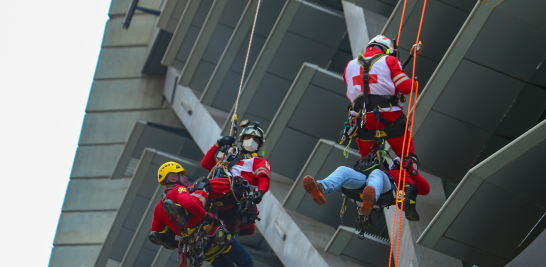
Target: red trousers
(396, 143)
(422, 185)
(220, 189)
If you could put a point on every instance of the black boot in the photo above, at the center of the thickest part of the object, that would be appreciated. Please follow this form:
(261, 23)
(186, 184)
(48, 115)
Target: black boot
(176, 212)
(409, 203)
(164, 238)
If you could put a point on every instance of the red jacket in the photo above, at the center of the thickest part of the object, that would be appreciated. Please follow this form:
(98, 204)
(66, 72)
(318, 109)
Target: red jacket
(256, 170)
(193, 203)
(386, 76)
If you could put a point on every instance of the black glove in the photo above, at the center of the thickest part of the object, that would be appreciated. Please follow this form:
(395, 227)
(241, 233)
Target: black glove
(211, 218)
(225, 141)
(258, 198)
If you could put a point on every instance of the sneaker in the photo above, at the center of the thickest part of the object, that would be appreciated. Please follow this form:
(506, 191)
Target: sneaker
(315, 189)
(165, 239)
(409, 203)
(368, 199)
(175, 211)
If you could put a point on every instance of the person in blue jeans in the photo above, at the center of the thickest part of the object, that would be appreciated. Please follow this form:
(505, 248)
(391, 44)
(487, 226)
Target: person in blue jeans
(237, 255)
(376, 183)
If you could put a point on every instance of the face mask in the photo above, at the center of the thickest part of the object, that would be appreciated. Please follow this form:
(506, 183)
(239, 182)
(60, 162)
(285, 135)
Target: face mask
(250, 145)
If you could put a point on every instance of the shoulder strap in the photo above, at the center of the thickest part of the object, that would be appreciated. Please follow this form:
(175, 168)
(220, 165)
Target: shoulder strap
(367, 64)
(234, 161)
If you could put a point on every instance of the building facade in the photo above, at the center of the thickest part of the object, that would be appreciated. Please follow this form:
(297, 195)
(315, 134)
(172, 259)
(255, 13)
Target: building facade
(165, 88)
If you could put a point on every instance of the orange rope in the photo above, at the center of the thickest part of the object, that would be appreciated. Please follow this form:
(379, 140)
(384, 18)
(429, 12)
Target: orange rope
(405, 150)
(401, 20)
(403, 144)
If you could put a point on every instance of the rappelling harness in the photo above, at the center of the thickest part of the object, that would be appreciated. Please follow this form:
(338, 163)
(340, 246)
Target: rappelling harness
(366, 102)
(373, 161)
(241, 194)
(199, 243)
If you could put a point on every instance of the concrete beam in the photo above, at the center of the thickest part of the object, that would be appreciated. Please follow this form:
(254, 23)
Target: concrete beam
(171, 13)
(169, 140)
(115, 127)
(94, 194)
(126, 94)
(95, 161)
(451, 60)
(292, 235)
(122, 62)
(180, 35)
(264, 59)
(162, 257)
(195, 116)
(79, 228)
(62, 256)
(356, 27)
(202, 41)
(411, 253)
(495, 172)
(137, 35)
(393, 23)
(120, 7)
(140, 238)
(298, 121)
(370, 251)
(232, 48)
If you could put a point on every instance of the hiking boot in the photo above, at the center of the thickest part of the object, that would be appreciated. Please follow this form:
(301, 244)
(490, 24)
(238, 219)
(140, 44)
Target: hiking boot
(409, 203)
(175, 211)
(315, 189)
(368, 199)
(164, 238)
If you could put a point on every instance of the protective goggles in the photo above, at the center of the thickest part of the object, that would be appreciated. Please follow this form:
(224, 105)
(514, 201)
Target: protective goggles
(252, 128)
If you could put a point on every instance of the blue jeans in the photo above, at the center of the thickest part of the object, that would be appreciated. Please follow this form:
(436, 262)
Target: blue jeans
(351, 179)
(237, 254)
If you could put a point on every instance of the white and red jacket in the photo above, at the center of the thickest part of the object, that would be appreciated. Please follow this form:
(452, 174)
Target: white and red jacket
(386, 77)
(256, 170)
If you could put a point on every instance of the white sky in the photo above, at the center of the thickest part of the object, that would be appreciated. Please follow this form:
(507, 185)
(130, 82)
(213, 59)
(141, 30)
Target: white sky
(48, 55)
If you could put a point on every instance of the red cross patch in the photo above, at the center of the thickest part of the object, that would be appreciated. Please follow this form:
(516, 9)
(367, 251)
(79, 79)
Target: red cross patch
(357, 80)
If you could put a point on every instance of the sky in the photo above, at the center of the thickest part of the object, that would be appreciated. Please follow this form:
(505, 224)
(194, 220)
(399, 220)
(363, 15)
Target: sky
(48, 55)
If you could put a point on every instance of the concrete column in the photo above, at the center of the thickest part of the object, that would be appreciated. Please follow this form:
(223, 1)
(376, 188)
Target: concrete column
(411, 254)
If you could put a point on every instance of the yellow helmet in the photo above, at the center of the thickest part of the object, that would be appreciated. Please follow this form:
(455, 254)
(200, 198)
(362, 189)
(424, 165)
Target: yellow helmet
(167, 168)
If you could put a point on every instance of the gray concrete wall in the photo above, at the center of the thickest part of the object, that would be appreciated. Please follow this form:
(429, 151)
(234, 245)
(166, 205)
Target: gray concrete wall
(119, 96)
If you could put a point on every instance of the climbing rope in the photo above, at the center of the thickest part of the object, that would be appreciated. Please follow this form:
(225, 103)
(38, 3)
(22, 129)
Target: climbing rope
(234, 118)
(405, 147)
(401, 20)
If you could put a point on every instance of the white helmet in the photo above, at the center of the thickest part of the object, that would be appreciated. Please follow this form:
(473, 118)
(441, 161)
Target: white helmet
(384, 42)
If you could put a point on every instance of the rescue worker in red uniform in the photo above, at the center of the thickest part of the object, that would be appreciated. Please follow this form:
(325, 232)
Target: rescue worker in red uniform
(164, 229)
(184, 208)
(386, 80)
(248, 165)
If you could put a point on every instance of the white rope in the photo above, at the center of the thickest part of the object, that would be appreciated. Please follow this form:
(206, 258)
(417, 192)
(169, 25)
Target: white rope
(244, 68)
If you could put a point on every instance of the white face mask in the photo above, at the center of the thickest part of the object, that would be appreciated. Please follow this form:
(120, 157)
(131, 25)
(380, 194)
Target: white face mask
(250, 145)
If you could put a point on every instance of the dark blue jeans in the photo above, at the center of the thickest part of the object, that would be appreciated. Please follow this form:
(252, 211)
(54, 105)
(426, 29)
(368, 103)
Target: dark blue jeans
(237, 255)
